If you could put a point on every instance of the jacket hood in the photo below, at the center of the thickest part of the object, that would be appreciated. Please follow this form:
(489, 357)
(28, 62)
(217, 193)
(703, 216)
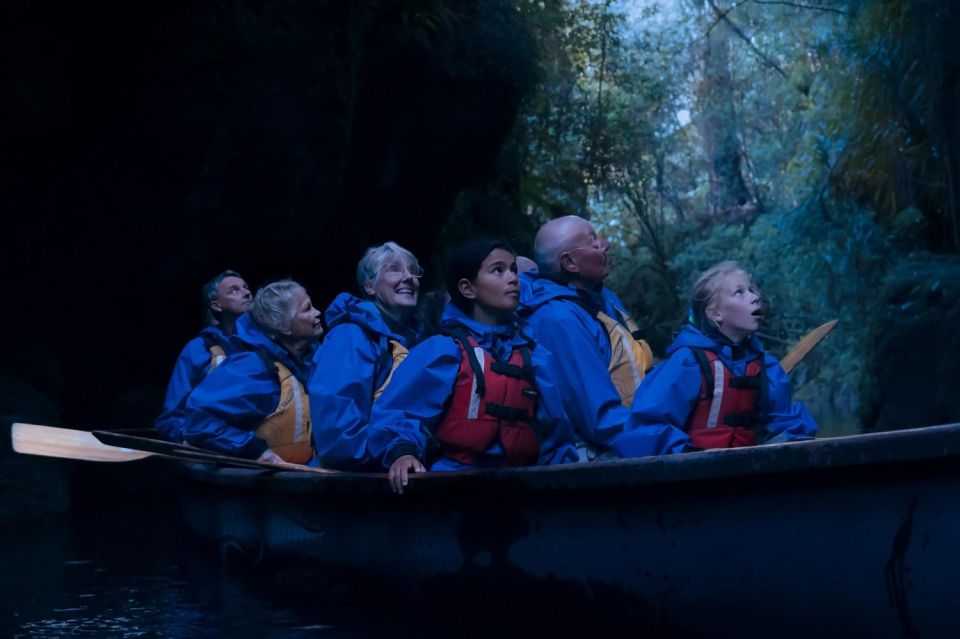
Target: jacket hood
(250, 337)
(214, 333)
(350, 309)
(537, 289)
(510, 334)
(690, 335)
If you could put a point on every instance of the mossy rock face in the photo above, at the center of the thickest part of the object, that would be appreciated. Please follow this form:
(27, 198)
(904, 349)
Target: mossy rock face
(32, 488)
(917, 341)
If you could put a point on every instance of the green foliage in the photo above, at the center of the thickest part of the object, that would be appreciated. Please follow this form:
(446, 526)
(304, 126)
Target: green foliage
(839, 119)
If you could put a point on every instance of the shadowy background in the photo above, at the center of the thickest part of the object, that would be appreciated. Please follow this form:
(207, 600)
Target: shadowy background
(145, 147)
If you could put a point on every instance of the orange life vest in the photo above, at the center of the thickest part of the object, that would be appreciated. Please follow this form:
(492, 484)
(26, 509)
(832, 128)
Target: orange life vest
(287, 430)
(217, 354)
(398, 353)
(630, 355)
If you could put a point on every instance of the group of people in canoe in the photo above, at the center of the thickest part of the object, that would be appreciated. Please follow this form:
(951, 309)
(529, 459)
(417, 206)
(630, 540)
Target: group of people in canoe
(543, 366)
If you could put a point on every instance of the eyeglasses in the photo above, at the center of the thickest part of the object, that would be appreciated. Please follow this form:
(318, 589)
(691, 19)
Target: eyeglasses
(597, 245)
(395, 269)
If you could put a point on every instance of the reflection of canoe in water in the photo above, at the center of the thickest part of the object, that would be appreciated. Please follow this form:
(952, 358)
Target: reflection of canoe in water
(854, 535)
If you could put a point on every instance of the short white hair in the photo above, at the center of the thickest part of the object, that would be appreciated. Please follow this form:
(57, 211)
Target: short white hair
(374, 259)
(273, 306)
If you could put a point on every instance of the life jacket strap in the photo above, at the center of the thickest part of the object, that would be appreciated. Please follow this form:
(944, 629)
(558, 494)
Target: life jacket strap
(740, 420)
(517, 372)
(477, 366)
(746, 382)
(509, 413)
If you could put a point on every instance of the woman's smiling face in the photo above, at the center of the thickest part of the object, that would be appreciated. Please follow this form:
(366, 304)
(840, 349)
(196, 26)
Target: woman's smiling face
(306, 322)
(397, 285)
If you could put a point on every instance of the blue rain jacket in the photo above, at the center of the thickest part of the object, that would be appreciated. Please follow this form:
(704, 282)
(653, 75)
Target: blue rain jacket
(404, 418)
(223, 411)
(353, 362)
(667, 395)
(581, 351)
(191, 367)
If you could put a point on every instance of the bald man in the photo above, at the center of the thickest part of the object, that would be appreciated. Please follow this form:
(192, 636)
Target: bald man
(599, 355)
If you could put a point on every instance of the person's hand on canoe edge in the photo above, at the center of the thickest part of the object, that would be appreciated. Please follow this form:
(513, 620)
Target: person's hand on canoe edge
(400, 470)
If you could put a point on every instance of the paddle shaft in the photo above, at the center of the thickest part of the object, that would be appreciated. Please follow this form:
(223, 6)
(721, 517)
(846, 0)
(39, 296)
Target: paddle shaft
(68, 443)
(179, 451)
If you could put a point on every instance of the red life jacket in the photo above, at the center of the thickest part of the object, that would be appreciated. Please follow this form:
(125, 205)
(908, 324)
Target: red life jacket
(725, 415)
(491, 401)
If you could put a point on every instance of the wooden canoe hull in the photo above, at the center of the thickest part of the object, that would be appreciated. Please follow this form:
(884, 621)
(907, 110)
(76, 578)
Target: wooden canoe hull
(855, 535)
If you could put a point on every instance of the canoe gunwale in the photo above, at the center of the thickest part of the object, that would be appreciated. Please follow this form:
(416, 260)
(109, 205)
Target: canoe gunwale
(890, 447)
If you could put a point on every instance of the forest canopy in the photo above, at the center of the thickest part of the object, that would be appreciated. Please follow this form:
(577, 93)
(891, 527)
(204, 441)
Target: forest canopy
(813, 141)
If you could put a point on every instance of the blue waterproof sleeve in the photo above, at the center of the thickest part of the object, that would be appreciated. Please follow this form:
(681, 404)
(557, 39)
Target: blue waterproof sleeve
(187, 373)
(405, 415)
(558, 444)
(668, 393)
(590, 401)
(233, 400)
(341, 395)
(789, 420)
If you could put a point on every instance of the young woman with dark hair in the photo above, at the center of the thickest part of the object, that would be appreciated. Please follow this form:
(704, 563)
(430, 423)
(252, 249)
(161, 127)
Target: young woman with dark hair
(469, 397)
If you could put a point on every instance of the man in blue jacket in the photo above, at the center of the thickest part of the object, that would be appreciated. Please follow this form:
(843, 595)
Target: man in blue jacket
(226, 297)
(599, 356)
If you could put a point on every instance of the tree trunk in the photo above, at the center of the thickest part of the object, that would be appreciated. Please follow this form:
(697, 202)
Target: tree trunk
(718, 124)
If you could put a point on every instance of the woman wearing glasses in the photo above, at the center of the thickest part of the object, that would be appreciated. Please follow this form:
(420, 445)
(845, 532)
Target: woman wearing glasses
(366, 340)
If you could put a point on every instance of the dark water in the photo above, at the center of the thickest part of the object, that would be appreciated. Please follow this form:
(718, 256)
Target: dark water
(122, 565)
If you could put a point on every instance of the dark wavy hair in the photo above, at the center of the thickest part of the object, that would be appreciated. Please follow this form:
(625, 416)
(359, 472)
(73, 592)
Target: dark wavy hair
(464, 263)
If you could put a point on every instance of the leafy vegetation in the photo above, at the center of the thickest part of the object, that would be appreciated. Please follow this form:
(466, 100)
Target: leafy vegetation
(815, 142)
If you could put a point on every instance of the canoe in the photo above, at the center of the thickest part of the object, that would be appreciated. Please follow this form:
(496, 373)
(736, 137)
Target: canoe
(851, 535)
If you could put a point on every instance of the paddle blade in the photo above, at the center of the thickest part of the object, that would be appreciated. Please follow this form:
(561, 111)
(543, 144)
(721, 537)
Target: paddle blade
(66, 443)
(805, 345)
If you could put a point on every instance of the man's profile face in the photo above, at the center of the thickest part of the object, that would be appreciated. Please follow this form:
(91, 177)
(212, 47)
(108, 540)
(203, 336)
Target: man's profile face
(586, 255)
(233, 296)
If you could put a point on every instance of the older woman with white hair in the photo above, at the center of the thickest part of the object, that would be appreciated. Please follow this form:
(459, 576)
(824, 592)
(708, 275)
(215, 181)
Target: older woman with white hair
(254, 404)
(367, 339)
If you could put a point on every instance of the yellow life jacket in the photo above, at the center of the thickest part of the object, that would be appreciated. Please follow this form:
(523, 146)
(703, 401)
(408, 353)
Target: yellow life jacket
(287, 430)
(216, 357)
(630, 355)
(217, 354)
(399, 353)
(630, 359)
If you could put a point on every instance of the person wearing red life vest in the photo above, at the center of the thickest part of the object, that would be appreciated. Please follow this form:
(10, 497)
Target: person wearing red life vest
(470, 397)
(718, 384)
(225, 298)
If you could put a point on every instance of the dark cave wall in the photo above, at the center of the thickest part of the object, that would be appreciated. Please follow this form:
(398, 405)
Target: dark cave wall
(147, 146)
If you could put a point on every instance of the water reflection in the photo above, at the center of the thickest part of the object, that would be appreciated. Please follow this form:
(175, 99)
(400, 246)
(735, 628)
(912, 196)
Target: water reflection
(136, 572)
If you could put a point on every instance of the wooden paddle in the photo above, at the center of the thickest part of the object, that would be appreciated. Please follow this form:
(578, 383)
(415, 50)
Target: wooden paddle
(67, 443)
(805, 345)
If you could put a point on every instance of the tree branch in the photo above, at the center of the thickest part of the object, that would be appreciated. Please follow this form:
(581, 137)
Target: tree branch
(802, 6)
(722, 17)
